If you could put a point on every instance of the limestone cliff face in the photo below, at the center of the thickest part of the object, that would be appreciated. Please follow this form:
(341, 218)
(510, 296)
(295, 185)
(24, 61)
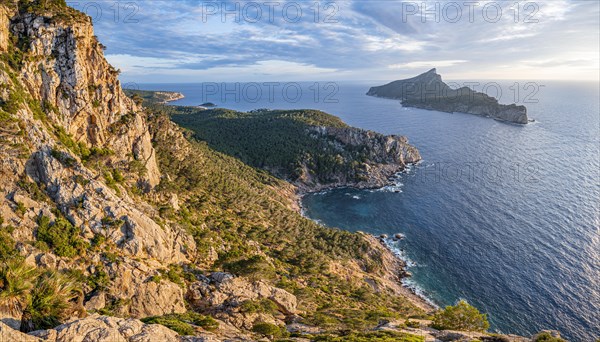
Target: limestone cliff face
(58, 97)
(66, 71)
(380, 148)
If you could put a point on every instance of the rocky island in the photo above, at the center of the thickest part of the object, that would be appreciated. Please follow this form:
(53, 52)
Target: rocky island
(428, 91)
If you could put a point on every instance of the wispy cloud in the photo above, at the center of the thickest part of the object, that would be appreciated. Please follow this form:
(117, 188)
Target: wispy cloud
(426, 64)
(178, 42)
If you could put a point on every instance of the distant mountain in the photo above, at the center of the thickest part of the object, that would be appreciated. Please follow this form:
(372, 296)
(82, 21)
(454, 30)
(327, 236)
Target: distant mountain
(428, 91)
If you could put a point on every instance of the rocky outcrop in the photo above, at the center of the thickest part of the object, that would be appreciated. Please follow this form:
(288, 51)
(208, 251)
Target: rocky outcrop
(58, 98)
(4, 28)
(222, 294)
(9, 334)
(221, 290)
(169, 96)
(379, 148)
(145, 297)
(107, 329)
(428, 91)
(89, 204)
(382, 156)
(66, 72)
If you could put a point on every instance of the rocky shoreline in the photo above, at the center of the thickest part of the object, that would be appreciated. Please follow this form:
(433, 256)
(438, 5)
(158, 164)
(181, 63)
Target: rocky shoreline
(394, 266)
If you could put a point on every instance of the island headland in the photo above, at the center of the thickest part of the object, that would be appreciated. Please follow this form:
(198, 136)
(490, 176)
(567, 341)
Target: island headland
(428, 91)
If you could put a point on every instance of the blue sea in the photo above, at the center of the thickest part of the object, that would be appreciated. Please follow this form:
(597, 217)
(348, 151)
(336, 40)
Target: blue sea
(502, 215)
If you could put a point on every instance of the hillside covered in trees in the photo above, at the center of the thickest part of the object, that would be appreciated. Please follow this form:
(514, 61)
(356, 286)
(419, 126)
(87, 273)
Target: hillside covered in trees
(309, 148)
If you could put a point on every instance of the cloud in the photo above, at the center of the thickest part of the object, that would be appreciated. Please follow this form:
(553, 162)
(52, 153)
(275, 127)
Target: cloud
(426, 64)
(354, 39)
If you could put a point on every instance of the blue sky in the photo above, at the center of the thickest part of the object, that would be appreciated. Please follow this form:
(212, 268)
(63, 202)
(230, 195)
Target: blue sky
(199, 41)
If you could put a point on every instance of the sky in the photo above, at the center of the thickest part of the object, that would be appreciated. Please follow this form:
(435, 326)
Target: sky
(176, 41)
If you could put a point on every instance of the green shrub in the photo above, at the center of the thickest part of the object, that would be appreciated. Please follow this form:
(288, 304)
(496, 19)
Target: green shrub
(256, 264)
(61, 236)
(110, 257)
(51, 302)
(461, 316)
(259, 306)
(16, 283)
(7, 245)
(268, 329)
(63, 157)
(20, 209)
(184, 324)
(377, 336)
(117, 176)
(32, 189)
(546, 337)
(98, 280)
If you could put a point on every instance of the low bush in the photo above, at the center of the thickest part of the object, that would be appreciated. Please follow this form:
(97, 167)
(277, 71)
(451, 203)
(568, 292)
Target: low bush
(16, 283)
(61, 236)
(51, 302)
(461, 316)
(270, 330)
(184, 324)
(545, 336)
(259, 306)
(377, 336)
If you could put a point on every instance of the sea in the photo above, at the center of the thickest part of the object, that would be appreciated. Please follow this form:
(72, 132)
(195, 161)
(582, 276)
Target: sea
(502, 215)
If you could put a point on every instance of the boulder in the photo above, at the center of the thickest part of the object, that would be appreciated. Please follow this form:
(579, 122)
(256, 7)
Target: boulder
(146, 297)
(96, 303)
(155, 299)
(222, 291)
(9, 334)
(107, 329)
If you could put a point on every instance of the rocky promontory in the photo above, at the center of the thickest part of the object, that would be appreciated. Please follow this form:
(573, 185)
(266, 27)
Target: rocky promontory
(428, 91)
(311, 149)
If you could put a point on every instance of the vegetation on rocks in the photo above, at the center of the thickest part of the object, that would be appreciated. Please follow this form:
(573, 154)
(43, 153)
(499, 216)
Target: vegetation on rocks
(210, 209)
(461, 316)
(376, 336)
(184, 324)
(61, 236)
(43, 298)
(546, 337)
(270, 330)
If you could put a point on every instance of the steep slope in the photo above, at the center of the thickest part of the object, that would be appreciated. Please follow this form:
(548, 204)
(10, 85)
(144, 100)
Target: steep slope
(209, 247)
(73, 150)
(87, 215)
(428, 91)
